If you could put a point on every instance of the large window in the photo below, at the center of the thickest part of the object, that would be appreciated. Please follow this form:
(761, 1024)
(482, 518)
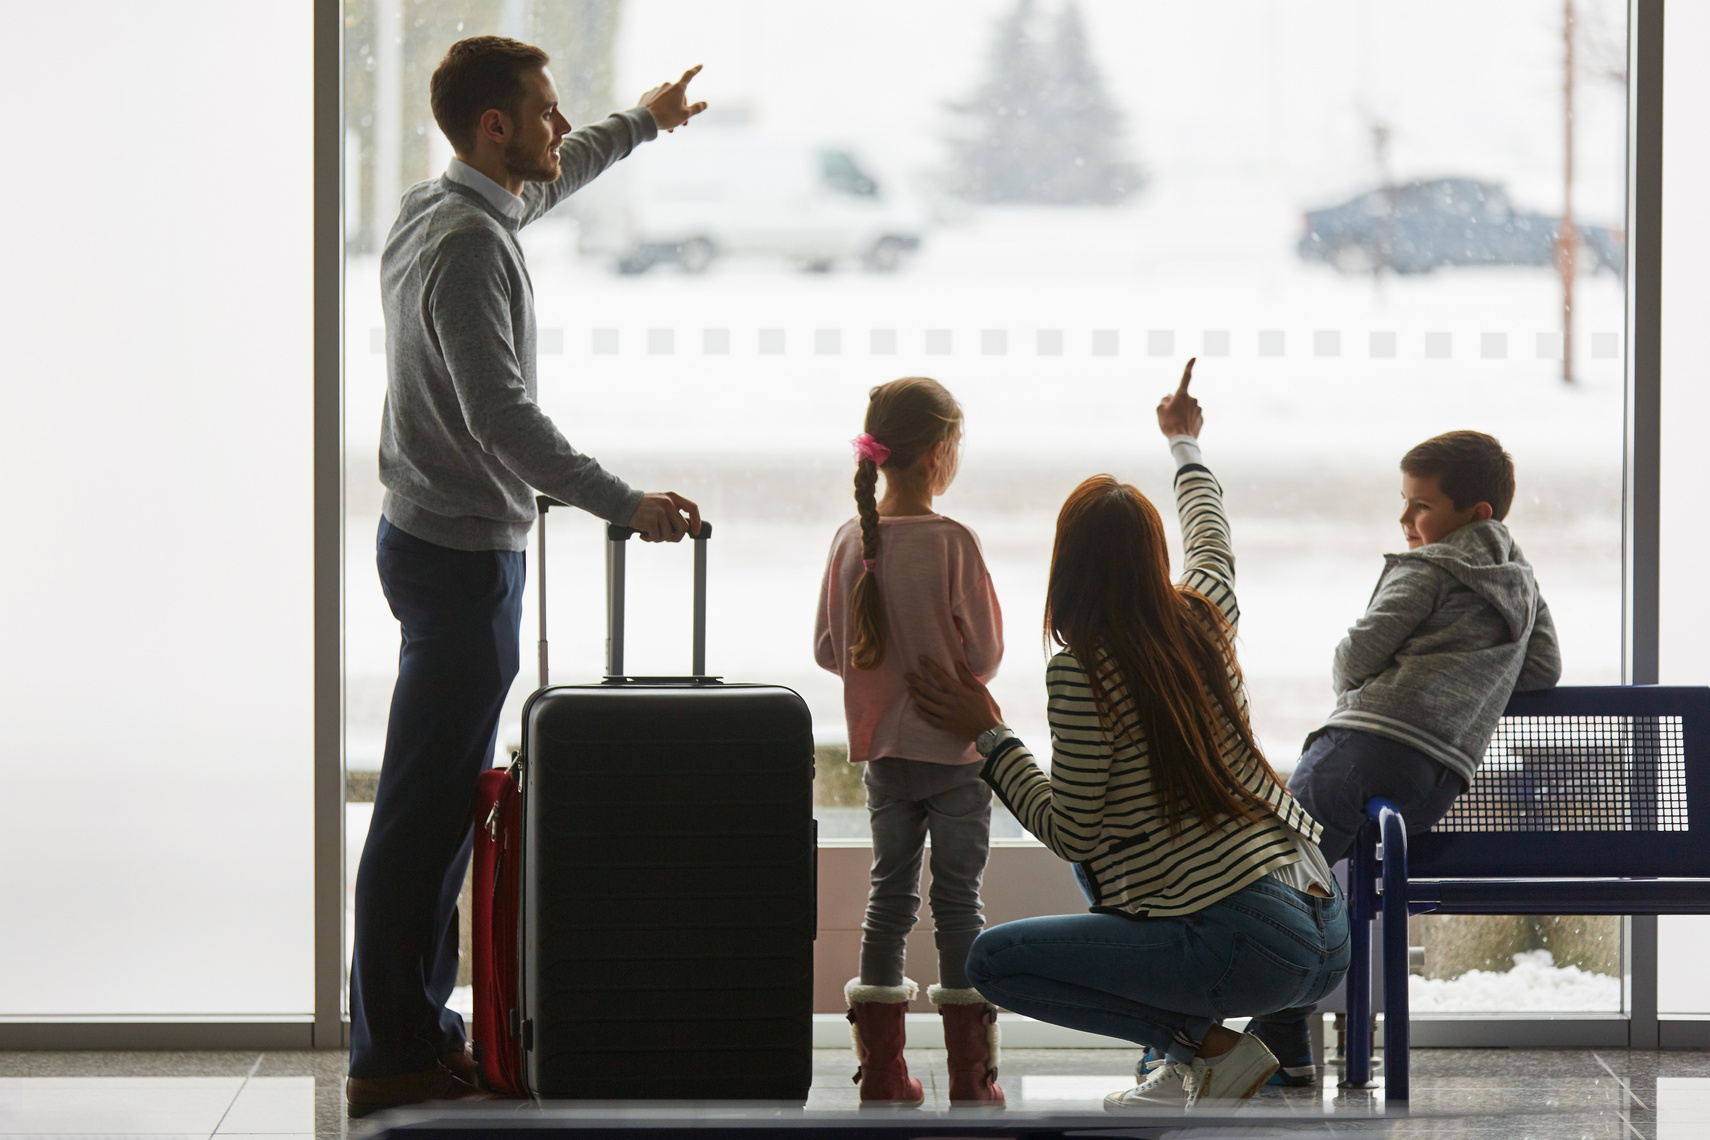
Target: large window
(1349, 212)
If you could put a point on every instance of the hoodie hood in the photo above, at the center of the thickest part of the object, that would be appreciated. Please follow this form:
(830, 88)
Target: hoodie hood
(1482, 556)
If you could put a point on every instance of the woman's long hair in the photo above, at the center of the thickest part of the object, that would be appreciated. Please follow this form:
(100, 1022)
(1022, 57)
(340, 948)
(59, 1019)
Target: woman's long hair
(908, 416)
(1159, 656)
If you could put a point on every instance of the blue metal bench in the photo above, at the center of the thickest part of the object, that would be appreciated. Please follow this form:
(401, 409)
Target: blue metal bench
(1583, 806)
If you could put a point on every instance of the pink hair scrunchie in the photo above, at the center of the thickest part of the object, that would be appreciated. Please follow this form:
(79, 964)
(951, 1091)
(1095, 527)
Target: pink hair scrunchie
(866, 447)
(870, 565)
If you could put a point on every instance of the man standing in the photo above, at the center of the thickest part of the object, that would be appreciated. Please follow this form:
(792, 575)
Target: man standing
(462, 443)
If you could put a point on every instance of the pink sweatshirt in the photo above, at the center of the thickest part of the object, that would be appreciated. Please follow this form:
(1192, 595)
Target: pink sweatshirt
(938, 602)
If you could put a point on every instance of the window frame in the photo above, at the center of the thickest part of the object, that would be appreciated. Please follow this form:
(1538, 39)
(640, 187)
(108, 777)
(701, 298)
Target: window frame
(1638, 1027)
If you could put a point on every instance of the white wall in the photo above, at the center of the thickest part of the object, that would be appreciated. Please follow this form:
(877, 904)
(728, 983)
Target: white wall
(1685, 641)
(155, 680)
(1685, 600)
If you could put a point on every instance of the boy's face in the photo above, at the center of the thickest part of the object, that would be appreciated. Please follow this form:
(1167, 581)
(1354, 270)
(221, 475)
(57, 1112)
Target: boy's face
(1429, 515)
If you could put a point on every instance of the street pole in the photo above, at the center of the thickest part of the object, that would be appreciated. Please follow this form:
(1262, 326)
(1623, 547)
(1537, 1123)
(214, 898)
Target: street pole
(1567, 234)
(1386, 224)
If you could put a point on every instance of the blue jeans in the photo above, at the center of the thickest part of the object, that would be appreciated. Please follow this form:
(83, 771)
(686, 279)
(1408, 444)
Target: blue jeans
(1163, 982)
(460, 611)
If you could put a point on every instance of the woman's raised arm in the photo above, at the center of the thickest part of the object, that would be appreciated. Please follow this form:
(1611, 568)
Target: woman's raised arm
(1208, 554)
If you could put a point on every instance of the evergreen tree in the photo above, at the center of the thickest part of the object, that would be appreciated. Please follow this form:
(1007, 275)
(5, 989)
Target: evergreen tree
(1041, 127)
(1001, 117)
(1087, 128)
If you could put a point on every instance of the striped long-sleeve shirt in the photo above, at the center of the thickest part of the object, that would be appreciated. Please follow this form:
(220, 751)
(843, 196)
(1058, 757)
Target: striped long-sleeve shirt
(1100, 808)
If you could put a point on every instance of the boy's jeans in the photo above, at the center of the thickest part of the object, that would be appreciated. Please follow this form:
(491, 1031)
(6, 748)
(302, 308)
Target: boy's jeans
(1340, 771)
(1163, 982)
(907, 800)
(1345, 767)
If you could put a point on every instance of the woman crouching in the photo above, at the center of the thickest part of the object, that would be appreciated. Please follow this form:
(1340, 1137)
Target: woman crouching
(1210, 899)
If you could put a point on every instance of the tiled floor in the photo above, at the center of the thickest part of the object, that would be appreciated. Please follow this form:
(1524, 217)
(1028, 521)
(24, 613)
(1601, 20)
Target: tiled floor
(1497, 1093)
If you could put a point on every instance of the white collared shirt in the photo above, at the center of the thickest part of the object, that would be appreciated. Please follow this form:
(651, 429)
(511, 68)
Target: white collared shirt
(502, 200)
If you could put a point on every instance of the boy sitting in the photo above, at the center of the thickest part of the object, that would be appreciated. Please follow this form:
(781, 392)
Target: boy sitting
(1454, 628)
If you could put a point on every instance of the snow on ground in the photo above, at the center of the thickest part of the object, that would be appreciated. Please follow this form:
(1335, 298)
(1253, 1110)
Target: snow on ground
(1535, 984)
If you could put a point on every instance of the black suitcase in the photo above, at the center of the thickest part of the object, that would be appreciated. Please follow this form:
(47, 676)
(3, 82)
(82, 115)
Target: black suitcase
(669, 890)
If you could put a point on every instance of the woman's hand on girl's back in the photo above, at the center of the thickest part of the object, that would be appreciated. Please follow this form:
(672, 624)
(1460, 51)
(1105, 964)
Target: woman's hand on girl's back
(961, 705)
(1178, 413)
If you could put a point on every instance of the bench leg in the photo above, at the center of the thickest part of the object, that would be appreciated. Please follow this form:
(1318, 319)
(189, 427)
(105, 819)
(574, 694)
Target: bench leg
(1361, 901)
(1396, 1026)
(1359, 1018)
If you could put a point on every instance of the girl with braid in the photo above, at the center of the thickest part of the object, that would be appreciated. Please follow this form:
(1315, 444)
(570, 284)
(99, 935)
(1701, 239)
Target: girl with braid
(904, 582)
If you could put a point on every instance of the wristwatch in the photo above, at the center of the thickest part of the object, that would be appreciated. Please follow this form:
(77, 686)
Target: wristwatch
(986, 743)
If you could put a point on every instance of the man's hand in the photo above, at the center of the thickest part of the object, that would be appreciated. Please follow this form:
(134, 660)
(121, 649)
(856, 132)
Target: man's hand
(959, 705)
(1178, 413)
(670, 104)
(661, 518)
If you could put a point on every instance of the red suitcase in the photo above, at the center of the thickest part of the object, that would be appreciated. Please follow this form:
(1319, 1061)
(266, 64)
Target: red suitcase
(493, 942)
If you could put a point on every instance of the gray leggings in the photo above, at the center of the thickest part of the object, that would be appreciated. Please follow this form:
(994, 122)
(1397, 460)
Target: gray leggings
(907, 800)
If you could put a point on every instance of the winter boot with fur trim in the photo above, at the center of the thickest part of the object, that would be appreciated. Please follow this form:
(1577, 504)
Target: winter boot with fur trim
(876, 1020)
(971, 1036)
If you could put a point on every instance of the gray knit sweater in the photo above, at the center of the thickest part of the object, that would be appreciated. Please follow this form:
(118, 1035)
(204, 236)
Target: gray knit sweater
(1453, 629)
(463, 440)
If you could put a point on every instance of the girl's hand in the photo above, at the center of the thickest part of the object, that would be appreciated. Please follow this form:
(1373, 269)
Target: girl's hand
(960, 705)
(1178, 413)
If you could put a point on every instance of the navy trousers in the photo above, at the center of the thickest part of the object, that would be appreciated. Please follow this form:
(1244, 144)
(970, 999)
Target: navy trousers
(460, 613)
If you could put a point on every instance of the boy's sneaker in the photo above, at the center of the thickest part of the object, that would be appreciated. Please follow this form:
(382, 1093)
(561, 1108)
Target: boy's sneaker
(1290, 1043)
(1223, 1082)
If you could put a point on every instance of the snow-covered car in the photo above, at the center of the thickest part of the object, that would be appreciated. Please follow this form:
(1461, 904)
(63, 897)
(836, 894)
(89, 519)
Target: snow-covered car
(733, 193)
(1418, 226)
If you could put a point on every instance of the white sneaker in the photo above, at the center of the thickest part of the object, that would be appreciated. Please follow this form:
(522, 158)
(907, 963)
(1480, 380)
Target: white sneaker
(1225, 1083)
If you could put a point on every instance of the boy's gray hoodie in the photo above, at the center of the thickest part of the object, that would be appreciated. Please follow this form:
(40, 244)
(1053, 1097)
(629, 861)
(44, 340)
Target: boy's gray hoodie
(1453, 629)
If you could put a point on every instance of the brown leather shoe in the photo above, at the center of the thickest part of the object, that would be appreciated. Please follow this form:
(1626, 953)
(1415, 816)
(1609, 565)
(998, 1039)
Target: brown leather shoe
(364, 1095)
(462, 1065)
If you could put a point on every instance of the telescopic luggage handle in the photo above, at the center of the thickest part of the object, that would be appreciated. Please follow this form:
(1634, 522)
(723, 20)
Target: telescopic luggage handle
(616, 537)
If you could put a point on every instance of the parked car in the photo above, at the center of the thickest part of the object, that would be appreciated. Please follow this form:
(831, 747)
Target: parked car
(1417, 226)
(735, 193)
